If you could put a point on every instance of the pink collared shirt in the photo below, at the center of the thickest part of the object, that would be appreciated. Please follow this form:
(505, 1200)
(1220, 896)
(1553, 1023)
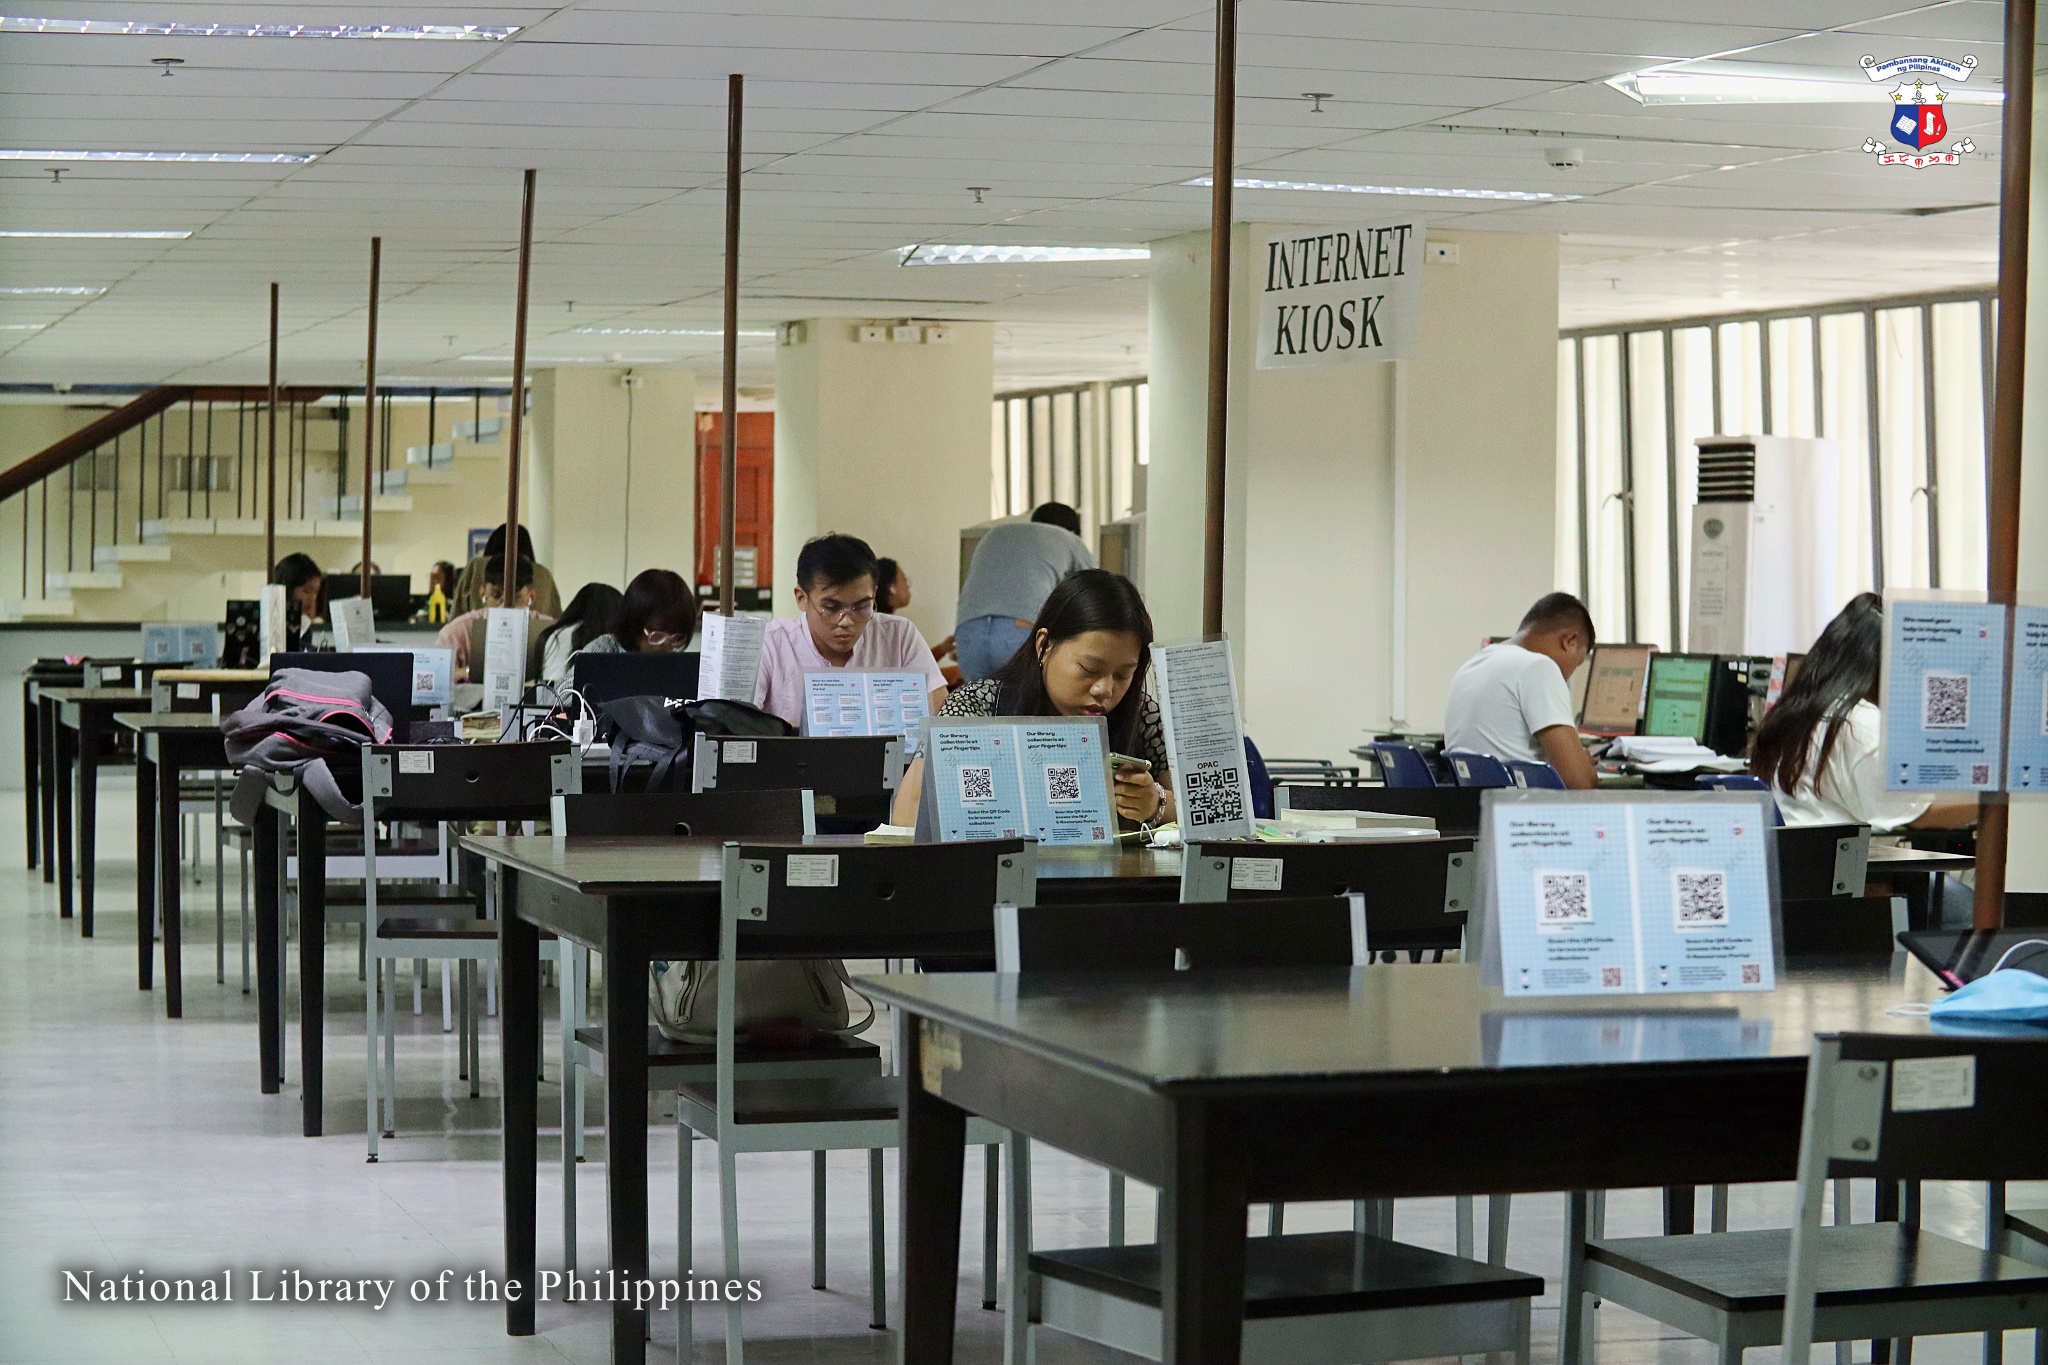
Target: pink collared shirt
(891, 644)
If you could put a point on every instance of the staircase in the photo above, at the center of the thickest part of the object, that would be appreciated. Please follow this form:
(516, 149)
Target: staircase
(154, 511)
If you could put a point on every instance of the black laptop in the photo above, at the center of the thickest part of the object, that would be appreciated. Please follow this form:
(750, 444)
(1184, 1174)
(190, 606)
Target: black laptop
(607, 677)
(1959, 957)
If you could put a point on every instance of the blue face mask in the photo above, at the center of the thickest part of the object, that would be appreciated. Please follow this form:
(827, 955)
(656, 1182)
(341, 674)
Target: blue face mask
(2014, 994)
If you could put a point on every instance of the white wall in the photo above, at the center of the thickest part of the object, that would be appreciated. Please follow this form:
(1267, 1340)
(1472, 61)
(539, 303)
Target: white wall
(2027, 854)
(614, 474)
(1310, 528)
(886, 441)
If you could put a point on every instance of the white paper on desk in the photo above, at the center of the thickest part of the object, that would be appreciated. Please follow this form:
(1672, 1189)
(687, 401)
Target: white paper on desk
(355, 623)
(731, 657)
(271, 618)
(1204, 740)
(504, 657)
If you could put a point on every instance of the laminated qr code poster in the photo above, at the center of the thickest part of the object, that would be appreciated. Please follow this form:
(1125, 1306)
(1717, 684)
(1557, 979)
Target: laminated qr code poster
(999, 779)
(1943, 692)
(1599, 896)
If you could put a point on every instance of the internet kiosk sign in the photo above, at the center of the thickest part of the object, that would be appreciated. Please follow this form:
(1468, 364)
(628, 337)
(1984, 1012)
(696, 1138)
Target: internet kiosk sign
(1918, 120)
(1334, 296)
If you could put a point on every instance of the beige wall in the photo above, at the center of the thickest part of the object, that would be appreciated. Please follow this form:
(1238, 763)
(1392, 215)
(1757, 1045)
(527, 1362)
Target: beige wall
(614, 473)
(886, 441)
(1318, 485)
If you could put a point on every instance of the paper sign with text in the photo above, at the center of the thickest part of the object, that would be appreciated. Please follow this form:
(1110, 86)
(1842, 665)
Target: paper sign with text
(1600, 894)
(1943, 692)
(2027, 754)
(1204, 740)
(847, 701)
(1339, 295)
(1044, 779)
(731, 659)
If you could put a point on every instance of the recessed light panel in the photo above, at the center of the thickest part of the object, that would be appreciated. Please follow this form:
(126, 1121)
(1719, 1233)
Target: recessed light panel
(145, 29)
(1016, 255)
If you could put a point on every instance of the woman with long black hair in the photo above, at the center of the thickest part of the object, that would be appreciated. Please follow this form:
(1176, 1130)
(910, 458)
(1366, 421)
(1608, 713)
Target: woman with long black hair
(590, 613)
(1087, 655)
(1822, 746)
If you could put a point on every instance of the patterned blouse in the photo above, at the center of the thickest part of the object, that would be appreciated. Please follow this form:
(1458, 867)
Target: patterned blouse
(980, 699)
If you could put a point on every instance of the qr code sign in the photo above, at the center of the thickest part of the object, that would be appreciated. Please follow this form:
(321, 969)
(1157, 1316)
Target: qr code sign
(1610, 978)
(1564, 900)
(1699, 900)
(1944, 701)
(1752, 973)
(977, 785)
(1213, 797)
(1062, 784)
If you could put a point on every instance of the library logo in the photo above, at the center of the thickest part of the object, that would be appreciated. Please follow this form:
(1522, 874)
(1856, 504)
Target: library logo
(1918, 119)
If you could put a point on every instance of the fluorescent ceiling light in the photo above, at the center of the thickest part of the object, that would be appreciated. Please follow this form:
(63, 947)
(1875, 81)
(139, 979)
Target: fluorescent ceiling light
(144, 236)
(1772, 85)
(262, 158)
(22, 326)
(660, 332)
(1016, 255)
(1426, 192)
(137, 28)
(83, 291)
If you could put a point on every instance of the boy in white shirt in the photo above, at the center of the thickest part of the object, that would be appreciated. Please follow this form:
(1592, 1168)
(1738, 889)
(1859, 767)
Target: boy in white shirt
(1513, 701)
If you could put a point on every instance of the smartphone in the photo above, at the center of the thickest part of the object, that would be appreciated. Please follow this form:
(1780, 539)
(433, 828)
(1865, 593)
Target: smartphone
(1125, 763)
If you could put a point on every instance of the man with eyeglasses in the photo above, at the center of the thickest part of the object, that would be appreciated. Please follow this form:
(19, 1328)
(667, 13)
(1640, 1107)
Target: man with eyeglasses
(838, 627)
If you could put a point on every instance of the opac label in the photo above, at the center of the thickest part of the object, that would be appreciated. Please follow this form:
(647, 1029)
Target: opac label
(1333, 296)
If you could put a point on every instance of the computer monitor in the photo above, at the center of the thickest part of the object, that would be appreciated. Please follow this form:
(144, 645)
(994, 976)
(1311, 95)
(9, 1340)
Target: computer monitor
(391, 596)
(607, 677)
(1676, 701)
(1614, 689)
(390, 675)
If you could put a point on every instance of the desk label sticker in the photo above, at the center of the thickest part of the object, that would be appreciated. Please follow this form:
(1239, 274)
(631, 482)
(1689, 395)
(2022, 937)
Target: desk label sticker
(188, 691)
(1629, 897)
(416, 760)
(812, 869)
(1257, 874)
(741, 751)
(1943, 692)
(1920, 1084)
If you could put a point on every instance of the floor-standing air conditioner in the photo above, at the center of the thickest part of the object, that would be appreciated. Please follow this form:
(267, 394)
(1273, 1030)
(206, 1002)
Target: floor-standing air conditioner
(1763, 545)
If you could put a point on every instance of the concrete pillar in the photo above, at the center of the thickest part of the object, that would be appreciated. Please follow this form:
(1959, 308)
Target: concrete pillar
(888, 441)
(1381, 518)
(613, 473)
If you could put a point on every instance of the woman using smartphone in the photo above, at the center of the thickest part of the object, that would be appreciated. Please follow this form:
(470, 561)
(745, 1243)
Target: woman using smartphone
(1087, 655)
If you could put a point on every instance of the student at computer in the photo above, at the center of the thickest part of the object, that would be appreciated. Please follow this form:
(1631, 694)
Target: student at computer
(657, 615)
(837, 626)
(1513, 700)
(590, 613)
(469, 586)
(1087, 655)
(466, 634)
(1822, 746)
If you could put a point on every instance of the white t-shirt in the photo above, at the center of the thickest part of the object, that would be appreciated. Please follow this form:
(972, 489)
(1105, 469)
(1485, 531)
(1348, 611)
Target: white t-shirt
(1851, 791)
(1500, 698)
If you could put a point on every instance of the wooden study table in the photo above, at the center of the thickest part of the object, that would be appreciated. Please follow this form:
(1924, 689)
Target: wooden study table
(636, 900)
(82, 721)
(166, 745)
(36, 759)
(1226, 1089)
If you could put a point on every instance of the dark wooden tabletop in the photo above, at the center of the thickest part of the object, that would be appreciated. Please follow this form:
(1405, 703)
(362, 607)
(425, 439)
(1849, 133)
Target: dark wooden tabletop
(1189, 1031)
(600, 866)
(1897, 858)
(112, 696)
(167, 721)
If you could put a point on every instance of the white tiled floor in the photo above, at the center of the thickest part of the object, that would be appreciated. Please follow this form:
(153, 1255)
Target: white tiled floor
(129, 1143)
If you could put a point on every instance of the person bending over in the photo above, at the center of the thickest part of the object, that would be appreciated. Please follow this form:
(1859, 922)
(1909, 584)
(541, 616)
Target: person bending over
(1822, 746)
(837, 627)
(1087, 655)
(1513, 701)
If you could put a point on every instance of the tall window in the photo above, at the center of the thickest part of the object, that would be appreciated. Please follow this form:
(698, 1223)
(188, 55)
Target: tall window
(1081, 444)
(1899, 385)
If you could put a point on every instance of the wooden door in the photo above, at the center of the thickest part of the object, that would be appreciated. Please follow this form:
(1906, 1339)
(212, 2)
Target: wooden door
(753, 506)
